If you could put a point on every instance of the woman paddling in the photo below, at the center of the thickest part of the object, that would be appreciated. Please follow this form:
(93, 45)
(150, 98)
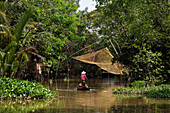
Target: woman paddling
(83, 78)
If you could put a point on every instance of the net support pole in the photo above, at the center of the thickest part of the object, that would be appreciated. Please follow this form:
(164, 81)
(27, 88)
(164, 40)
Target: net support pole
(113, 47)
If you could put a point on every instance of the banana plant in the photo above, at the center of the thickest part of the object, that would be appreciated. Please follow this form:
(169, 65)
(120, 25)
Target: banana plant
(4, 57)
(9, 53)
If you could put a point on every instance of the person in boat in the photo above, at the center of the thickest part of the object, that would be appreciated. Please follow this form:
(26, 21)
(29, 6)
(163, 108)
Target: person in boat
(83, 78)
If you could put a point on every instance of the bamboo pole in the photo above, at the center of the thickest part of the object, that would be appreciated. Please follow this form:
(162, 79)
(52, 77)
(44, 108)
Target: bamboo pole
(114, 47)
(84, 48)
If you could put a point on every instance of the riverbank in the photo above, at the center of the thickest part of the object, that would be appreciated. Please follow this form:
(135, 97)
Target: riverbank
(20, 89)
(161, 91)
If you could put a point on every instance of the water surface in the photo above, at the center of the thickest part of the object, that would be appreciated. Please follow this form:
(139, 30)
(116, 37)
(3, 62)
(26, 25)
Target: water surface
(98, 100)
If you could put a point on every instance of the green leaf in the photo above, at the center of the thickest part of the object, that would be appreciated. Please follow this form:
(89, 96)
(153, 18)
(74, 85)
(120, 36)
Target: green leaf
(9, 46)
(21, 23)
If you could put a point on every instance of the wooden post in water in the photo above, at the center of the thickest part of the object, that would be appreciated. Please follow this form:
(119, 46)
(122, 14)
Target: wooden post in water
(68, 69)
(48, 71)
(57, 69)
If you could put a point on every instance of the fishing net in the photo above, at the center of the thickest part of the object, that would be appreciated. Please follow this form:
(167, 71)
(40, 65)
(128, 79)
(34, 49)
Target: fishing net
(104, 59)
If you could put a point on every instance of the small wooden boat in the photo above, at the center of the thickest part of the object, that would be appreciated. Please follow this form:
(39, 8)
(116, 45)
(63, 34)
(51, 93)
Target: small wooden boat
(79, 87)
(83, 88)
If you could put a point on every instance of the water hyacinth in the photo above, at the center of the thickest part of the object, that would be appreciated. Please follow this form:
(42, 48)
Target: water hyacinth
(161, 91)
(20, 89)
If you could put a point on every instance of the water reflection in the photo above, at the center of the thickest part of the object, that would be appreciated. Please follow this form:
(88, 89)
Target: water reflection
(23, 106)
(98, 100)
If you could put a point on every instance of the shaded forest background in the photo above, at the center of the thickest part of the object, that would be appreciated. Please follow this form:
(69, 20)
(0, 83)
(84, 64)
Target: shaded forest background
(50, 32)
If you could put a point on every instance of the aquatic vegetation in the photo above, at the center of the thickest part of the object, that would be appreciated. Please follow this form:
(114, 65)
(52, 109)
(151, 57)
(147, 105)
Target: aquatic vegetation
(20, 89)
(161, 91)
(24, 106)
(138, 84)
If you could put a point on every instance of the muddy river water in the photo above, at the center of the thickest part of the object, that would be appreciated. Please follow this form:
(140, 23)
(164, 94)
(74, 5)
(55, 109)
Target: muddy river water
(97, 100)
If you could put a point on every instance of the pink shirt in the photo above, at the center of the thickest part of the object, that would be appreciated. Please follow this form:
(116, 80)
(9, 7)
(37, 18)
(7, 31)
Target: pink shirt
(83, 76)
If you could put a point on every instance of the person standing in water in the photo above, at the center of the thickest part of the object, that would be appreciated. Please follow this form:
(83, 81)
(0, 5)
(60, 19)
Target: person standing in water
(83, 78)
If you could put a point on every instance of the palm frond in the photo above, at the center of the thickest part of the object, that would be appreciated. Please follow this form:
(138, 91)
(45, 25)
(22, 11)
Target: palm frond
(6, 30)
(10, 45)
(2, 54)
(15, 2)
(39, 56)
(1, 32)
(27, 49)
(21, 23)
(3, 17)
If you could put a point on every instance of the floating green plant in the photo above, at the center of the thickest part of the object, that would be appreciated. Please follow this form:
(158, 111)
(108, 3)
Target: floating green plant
(20, 89)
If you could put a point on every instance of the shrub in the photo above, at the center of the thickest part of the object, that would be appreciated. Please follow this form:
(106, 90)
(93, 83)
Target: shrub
(161, 91)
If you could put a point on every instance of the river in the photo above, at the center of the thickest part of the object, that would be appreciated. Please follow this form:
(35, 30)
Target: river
(97, 100)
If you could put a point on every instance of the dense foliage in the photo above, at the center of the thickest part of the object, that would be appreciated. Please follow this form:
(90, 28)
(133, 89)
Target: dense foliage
(47, 28)
(19, 89)
(11, 27)
(54, 29)
(140, 32)
(140, 88)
